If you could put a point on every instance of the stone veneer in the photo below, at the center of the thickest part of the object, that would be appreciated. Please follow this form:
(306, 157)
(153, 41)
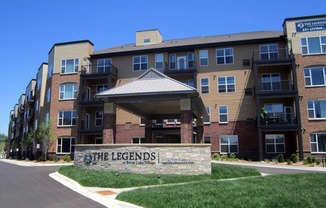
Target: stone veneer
(185, 159)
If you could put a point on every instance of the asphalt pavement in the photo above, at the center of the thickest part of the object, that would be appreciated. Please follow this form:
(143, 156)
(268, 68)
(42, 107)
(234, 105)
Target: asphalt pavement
(27, 184)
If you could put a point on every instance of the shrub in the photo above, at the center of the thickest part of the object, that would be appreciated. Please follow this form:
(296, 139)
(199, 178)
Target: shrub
(224, 157)
(309, 160)
(54, 158)
(233, 157)
(216, 156)
(67, 158)
(289, 162)
(294, 158)
(280, 158)
(317, 161)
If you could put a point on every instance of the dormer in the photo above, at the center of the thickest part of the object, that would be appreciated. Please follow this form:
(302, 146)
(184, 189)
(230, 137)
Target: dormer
(148, 37)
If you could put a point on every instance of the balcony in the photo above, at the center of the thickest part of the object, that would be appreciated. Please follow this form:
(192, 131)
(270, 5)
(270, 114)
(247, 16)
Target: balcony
(94, 70)
(88, 98)
(280, 120)
(276, 56)
(274, 88)
(182, 66)
(89, 127)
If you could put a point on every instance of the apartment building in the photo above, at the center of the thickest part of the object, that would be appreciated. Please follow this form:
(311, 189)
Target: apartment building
(264, 92)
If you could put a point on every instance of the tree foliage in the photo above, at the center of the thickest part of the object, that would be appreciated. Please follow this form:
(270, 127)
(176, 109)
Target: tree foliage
(3, 138)
(44, 135)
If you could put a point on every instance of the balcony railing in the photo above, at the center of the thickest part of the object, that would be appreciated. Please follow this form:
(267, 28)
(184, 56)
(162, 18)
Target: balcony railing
(274, 86)
(277, 55)
(90, 97)
(180, 66)
(94, 69)
(90, 126)
(281, 119)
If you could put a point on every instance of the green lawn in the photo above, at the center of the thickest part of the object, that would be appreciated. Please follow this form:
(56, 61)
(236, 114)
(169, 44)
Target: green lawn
(296, 190)
(87, 177)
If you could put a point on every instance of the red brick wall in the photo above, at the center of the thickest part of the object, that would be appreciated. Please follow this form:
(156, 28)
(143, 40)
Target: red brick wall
(309, 93)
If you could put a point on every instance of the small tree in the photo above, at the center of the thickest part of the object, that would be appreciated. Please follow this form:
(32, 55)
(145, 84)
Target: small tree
(44, 135)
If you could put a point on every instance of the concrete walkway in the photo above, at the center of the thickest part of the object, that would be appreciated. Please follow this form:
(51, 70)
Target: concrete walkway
(106, 196)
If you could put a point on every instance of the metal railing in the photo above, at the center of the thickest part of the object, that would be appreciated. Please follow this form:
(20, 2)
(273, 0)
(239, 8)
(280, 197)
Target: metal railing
(273, 55)
(279, 119)
(184, 64)
(99, 69)
(275, 86)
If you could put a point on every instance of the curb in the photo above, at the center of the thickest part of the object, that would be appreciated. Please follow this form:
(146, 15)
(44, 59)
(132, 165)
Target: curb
(73, 185)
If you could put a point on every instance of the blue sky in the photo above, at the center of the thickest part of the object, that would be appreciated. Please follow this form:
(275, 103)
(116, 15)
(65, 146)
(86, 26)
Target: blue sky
(28, 29)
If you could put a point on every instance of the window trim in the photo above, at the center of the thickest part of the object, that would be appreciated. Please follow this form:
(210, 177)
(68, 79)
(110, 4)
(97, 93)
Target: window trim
(74, 92)
(71, 120)
(104, 65)
(228, 144)
(271, 81)
(72, 140)
(307, 45)
(224, 56)
(269, 51)
(226, 84)
(314, 111)
(64, 66)
(209, 115)
(156, 55)
(97, 118)
(220, 114)
(310, 76)
(201, 85)
(317, 146)
(203, 57)
(140, 63)
(48, 95)
(275, 144)
(101, 86)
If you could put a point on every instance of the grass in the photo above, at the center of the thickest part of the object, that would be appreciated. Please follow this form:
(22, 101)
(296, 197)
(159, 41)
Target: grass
(96, 178)
(296, 190)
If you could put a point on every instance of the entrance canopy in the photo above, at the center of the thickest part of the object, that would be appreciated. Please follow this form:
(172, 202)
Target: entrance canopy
(154, 95)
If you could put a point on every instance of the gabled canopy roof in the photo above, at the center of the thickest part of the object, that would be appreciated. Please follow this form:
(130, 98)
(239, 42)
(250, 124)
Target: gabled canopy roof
(154, 95)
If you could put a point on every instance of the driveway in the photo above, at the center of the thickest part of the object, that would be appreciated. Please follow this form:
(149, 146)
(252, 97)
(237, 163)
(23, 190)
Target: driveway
(32, 187)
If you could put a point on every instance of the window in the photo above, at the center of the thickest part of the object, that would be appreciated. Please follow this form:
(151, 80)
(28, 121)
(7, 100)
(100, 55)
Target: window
(98, 140)
(65, 145)
(268, 52)
(207, 139)
(103, 66)
(99, 118)
(223, 113)
(229, 144)
(101, 88)
(172, 61)
(35, 124)
(191, 83)
(207, 119)
(224, 56)
(226, 84)
(191, 60)
(313, 45)
(36, 105)
(274, 110)
(69, 66)
(39, 82)
(50, 70)
(204, 82)
(203, 57)
(67, 118)
(159, 61)
(48, 95)
(140, 63)
(147, 40)
(271, 82)
(315, 76)
(68, 91)
(318, 142)
(138, 140)
(275, 143)
(47, 118)
(317, 109)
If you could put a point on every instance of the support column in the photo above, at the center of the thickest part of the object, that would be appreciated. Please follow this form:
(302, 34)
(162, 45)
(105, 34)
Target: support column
(148, 131)
(199, 130)
(186, 131)
(109, 123)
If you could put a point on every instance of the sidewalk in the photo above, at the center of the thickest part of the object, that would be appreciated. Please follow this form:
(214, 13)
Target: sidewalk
(258, 164)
